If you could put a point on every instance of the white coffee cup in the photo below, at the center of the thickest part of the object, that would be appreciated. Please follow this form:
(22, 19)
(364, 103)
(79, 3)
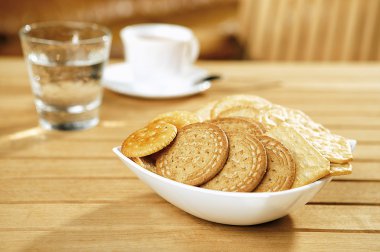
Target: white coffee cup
(159, 51)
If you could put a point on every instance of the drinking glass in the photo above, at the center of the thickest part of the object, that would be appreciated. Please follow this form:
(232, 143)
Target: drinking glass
(65, 62)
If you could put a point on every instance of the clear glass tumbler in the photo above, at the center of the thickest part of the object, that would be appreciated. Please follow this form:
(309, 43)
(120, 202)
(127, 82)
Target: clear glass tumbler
(65, 62)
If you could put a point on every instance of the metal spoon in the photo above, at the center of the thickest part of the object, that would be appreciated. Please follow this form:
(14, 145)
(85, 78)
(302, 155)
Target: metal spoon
(207, 78)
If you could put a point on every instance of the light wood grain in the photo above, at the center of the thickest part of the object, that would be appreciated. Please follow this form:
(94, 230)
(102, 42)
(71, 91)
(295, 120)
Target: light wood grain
(117, 216)
(167, 238)
(66, 191)
(96, 189)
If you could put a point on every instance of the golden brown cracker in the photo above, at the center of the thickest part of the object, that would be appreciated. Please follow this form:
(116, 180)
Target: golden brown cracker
(281, 168)
(333, 147)
(148, 140)
(237, 124)
(198, 153)
(298, 117)
(311, 165)
(245, 167)
(178, 118)
(340, 169)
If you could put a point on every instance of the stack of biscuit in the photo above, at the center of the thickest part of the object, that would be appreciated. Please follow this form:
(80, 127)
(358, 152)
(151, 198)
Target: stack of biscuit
(239, 143)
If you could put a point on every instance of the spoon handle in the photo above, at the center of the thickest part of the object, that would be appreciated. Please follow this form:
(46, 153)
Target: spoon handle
(208, 78)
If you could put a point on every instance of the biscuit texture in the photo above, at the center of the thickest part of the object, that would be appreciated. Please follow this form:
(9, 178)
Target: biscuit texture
(148, 140)
(272, 116)
(236, 124)
(245, 167)
(310, 164)
(232, 101)
(198, 153)
(334, 147)
(257, 123)
(340, 169)
(242, 111)
(281, 168)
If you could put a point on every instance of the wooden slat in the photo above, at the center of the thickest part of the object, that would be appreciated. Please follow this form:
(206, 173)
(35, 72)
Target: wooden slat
(369, 27)
(73, 190)
(367, 153)
(363, 171)
(38, 148)
(313, 32)
(365, 136)
(375, 46)
(279, 19)
(259, 25)
(292, 34)
(329, 23)
(119, 189)
(166, 238)
(88, 217)
(63, 168)
(348, 192)
(351, 27)
(244, 19)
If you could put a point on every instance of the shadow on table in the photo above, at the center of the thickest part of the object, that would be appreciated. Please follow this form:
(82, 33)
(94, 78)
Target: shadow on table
(157, 225)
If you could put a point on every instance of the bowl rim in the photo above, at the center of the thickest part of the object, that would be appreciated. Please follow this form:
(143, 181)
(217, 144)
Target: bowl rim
(326, 179)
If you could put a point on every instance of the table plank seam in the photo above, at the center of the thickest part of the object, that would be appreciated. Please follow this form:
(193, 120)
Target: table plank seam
(308, 230)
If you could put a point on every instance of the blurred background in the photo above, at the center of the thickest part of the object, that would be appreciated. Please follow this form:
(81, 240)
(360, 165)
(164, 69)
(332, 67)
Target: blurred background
(277, 30)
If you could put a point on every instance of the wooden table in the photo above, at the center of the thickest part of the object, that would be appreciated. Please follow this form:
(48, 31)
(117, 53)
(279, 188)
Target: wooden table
(66, 191)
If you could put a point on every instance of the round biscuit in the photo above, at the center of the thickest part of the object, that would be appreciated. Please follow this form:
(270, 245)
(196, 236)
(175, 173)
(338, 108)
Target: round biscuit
(148, 140)
(240, 111)
(239, 100)
(198, 153)
(281, 167)
(245, 167)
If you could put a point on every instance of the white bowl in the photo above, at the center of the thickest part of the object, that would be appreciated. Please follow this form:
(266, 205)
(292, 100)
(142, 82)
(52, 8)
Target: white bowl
(227, 207)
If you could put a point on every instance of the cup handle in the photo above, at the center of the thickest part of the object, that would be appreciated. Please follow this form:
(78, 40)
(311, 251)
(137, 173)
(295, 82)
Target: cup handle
(194, 49)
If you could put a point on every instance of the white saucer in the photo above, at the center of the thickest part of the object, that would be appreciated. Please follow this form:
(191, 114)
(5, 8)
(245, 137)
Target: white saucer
(119, 78)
